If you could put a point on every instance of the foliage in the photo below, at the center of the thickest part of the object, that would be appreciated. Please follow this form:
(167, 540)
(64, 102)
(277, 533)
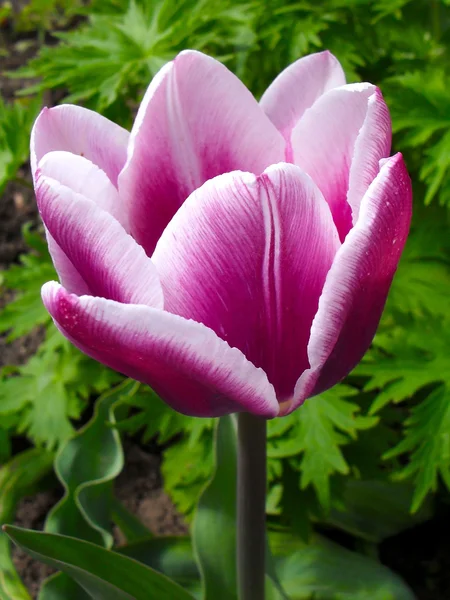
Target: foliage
(106, 62)
(205, 566)
(18, 477)
(16, 120)
(383, 434)
(41, 397)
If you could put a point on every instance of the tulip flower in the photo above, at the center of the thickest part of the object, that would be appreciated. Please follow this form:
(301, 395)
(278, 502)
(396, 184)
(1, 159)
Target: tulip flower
(233, 255)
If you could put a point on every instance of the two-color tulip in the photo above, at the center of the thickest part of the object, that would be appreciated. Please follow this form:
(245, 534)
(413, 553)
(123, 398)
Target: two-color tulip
(234, 255)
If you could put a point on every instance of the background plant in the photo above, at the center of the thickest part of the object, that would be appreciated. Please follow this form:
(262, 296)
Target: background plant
(362, 455)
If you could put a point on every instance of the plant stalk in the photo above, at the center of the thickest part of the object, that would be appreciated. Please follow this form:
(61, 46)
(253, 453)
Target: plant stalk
(251, 507)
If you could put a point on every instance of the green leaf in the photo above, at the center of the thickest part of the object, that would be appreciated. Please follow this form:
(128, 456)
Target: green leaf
(51, 389)
(19, 477)
(421, 285)
(60, 587)
(15, 127)
(26, 311)
(427, 440)
(86, 466)
(420, 105)
(376, 510)
(130, 526)
(104, 574)
(317, 431)
(325, 571)
(214, 528)
(405, 360)
(172, 556)
(110, 59)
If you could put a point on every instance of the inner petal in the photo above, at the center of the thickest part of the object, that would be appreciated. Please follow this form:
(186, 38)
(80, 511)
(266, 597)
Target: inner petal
(197, 120)
(247, 256)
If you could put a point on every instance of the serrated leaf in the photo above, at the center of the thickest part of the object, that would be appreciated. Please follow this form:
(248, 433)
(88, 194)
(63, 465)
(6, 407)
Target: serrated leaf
(427, 441)
(51, 389)
(320, 427)
(112, 57)
(406, 360)
(186, 468)
(15, 126)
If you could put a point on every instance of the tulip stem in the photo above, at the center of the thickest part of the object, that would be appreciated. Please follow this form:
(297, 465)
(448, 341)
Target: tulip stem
(251, 507)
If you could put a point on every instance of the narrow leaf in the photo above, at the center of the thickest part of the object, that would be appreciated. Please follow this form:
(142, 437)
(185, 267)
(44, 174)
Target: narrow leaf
(172, 556)
(214, 529)
(18, 478)
(104, 574)
(87, 466)
(323, 570)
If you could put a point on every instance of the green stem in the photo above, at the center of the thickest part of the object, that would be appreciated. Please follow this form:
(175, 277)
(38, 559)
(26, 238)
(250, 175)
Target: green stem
(251, 507)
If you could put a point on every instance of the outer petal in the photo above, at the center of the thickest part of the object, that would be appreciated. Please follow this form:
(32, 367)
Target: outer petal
(80, 131)
(247, 256)
(82, 176)
(197, 120)
(107, 259)
(357, 285)
(325, 145)
(298, 87)
(372, 144)
(185, 362)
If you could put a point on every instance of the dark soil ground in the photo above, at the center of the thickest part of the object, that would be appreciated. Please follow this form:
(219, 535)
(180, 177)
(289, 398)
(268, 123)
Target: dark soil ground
(421, 556)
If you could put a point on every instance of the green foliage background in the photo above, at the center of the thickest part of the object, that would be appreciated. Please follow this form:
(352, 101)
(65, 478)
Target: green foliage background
(388, 425)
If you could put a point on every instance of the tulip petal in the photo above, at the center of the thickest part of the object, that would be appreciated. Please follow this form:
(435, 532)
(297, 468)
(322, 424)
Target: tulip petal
(298, 87)
(192, 369)
(325, 145)
(85, 178)
(372, 144)
(109, 261)
(83, 132)
(248, 256)
(356, 287)
(197, 120)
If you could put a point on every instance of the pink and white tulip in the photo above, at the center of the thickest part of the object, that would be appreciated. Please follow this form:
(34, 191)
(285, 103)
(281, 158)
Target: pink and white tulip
(234, 255)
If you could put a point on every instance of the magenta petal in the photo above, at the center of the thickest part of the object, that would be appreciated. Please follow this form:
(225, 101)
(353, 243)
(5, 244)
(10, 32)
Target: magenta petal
(356, 287)
(83, 132)
(185, 362)
(298, 87)
(84, 177)
(108, 260)
(372, 144)
(197, 120)
(325, 145)
(247, 256)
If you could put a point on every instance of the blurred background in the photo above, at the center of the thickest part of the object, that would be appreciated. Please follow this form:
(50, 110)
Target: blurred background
(366, 465)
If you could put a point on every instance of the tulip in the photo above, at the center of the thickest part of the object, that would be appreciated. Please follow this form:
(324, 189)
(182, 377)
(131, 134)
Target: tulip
(233, 255)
